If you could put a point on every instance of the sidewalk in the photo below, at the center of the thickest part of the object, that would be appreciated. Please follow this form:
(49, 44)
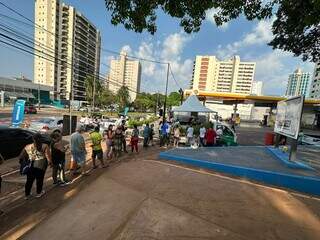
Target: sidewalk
(148, 199)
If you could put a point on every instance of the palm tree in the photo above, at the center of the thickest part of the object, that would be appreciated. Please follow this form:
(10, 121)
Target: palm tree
(92, 93)
(123, 97)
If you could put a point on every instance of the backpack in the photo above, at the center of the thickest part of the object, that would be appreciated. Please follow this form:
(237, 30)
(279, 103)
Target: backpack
(25, 164)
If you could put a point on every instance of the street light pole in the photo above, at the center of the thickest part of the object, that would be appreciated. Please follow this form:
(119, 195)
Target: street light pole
(166, 93)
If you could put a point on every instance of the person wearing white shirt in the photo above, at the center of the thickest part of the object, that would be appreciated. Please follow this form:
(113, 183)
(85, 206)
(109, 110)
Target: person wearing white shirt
(202, 135)
(189, 135)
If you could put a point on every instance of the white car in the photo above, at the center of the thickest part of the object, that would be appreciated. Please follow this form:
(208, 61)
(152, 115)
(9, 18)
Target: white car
(104, 124)
(47, 125)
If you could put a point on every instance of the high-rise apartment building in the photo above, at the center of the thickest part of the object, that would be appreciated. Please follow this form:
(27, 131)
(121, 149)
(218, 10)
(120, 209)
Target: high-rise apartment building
(67, 47)
(298, 83)
(124, 72)
(257, 88)
(315, 84)
(210, 74)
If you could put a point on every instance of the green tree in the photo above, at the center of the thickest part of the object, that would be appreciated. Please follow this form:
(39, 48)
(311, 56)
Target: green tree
(144, 102)
(174, 99)
(123, 98)
(106, 98)
(91, 91)
(295, 29)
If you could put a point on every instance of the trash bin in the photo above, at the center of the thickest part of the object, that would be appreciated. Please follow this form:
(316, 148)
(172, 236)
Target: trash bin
(66, 124)
(269, 138)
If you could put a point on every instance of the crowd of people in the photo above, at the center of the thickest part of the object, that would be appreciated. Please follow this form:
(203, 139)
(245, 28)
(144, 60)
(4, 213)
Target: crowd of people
(36, 157)
(170, 134)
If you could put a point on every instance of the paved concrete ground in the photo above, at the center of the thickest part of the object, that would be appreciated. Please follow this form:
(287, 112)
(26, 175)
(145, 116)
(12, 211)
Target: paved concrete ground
(256, 157)
(148, 199)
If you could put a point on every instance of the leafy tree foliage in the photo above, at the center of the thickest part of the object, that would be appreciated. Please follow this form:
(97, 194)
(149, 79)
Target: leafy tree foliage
(123, 98)
(296, 27)
(90, 90)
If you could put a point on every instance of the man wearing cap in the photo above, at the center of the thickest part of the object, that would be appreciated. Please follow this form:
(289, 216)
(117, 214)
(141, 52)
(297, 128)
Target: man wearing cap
(78, 149)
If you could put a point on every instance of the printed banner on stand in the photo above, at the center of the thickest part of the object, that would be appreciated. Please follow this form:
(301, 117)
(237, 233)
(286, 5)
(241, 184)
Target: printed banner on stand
(18, 113)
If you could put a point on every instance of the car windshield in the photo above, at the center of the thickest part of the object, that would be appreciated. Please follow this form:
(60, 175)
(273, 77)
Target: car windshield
(46, 120)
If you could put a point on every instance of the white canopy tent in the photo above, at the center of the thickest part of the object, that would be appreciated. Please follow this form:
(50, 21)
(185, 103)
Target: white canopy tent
(192, 104)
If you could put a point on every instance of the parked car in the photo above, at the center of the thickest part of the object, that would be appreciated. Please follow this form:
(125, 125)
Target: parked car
(107, 122)
(29, 108)
(47, 125)
(13, 140)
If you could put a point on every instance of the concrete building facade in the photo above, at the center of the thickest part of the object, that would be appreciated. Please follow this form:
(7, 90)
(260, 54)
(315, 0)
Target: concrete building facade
(210, 74)
(298, 83)
(257, 88)
(315, 84)
(68, 49)
(124, 72)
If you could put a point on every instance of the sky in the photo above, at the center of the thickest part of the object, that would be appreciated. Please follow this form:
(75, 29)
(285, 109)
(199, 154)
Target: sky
(248, 39)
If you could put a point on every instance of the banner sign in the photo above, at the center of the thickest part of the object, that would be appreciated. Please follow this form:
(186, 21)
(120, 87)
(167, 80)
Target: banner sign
(18, 113)
(288, 118)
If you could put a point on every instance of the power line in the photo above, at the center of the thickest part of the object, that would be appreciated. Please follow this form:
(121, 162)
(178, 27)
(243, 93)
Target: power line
(178, 85)
(33, 53)
(56, 34)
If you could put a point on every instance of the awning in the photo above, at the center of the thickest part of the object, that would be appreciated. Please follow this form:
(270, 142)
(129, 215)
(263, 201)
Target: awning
(192, 104)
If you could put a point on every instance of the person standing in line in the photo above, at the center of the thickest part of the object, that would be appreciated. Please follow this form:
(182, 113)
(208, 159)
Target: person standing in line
(134, 139)
(202, 133)
(190, 135)
(108, 135)
(97, 152)
(151, 134)
(40, 157)
(58, 155)
(176, 136)
(169, 133)
(164, 133)
(160, 133)
(146, 135)
(123, 129)
(211, 136)
(78, 150)
(118, 142)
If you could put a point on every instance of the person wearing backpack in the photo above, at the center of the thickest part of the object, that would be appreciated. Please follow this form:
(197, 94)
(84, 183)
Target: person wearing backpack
(40, 157)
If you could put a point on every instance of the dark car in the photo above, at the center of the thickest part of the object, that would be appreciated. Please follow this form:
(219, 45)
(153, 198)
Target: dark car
(13, 140)
(29, 108)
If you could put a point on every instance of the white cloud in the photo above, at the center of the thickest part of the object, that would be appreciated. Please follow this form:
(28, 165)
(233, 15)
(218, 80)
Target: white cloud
(273, 69)
(169, 50)
(127, 49)
(260, 34)
(210, 18)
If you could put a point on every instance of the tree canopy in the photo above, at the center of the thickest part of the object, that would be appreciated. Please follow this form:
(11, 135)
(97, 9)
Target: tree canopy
(123, 98)
(296, 27)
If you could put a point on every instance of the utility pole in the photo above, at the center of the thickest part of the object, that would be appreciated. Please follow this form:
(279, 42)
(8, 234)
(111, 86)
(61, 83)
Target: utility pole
(93, 92)
(166, 93)
(157, 104)
(38, 95)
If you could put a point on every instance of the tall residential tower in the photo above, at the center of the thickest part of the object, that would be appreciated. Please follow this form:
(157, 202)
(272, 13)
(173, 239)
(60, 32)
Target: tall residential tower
(298, 83)
(124, 72)
(67, 47)
(210, 74)
(315, 85)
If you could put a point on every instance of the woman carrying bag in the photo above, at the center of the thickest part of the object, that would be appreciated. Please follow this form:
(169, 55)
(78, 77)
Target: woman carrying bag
(40, 156)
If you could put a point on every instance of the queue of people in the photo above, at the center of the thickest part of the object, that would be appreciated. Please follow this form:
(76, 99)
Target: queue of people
(38, 156)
